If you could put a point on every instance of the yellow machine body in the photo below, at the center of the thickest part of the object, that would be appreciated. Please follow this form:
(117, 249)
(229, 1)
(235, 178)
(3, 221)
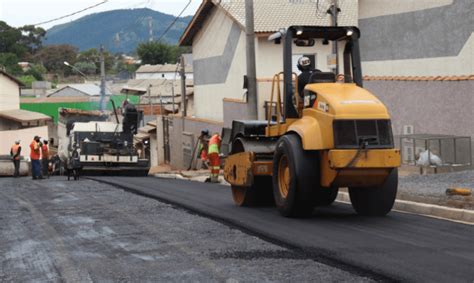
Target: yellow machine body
(334, 101)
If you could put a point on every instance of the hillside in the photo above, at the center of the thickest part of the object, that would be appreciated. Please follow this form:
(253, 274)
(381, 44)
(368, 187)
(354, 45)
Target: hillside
(117, 30)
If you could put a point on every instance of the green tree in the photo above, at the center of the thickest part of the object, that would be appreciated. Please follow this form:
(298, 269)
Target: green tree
(37, 71)
(87, 68)
(154, 53)
(10, 62)
(93, 56)
(32, 38)
(52, 57)
(27, 80)
(9, 40)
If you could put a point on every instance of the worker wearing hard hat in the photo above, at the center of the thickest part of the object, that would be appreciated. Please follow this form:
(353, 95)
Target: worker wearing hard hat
(45, 158)
(204, 147)
(35, 155)
(213, 155)
(15, 152)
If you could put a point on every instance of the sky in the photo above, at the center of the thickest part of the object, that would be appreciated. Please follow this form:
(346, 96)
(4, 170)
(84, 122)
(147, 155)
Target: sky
(18, 13)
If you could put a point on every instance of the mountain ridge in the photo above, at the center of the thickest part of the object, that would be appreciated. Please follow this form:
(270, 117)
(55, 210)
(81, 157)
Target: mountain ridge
(120, 31)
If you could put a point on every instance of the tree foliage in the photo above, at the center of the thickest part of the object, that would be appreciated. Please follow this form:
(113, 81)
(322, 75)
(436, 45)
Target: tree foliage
(159, 53)
(92, 55)
(52, 57)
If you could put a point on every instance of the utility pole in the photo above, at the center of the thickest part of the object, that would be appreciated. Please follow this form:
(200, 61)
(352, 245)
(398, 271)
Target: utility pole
(102, 79)
(251, 69)
(334, 11)
(182, 74)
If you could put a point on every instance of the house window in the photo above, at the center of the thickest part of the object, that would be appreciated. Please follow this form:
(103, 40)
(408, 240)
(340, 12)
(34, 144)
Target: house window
(295, 58)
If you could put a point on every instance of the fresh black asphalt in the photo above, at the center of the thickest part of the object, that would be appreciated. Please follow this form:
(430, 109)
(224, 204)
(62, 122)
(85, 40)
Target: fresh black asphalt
(398, 247)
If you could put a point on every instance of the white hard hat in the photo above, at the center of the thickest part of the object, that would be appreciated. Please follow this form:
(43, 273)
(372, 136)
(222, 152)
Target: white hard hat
(304, 61)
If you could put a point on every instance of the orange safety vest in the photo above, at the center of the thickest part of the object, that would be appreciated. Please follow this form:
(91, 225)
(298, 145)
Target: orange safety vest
(45, 151)
(14, 150)
(214, 144)
(35, 151)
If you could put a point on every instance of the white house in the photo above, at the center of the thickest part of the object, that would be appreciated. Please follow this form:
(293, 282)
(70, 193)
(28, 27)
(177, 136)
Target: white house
(159, 71)
(16, 123)
(217, 36)
(9, 92)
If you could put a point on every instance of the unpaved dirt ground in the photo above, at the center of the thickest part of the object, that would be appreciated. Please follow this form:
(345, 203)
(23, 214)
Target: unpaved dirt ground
(431, 188)
(54, 230)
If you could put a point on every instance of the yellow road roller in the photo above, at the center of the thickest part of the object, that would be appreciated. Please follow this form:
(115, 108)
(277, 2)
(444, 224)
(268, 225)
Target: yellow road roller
(332, 134)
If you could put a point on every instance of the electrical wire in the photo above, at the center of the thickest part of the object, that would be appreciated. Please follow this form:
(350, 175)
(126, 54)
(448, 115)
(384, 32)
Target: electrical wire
(72, 14)
(173, 22)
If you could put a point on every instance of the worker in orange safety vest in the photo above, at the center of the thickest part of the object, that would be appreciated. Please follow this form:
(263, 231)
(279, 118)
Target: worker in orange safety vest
(45, 159)
(213, 155)
(15, 152)
(35, 154)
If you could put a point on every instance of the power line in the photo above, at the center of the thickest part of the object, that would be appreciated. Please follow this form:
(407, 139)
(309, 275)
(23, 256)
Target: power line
(173, 22)
(72, 14)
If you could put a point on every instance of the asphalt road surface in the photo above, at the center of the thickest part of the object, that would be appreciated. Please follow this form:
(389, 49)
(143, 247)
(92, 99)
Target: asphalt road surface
(85, 231)
(398, 247)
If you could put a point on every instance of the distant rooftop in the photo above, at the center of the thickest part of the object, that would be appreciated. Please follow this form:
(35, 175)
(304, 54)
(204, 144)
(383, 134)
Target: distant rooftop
(162, 68)
(87, 89)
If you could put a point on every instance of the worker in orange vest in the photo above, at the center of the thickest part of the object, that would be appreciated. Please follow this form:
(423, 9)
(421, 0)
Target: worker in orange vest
(45, 158)
(35, 155)
(213, 155)
(15, 152)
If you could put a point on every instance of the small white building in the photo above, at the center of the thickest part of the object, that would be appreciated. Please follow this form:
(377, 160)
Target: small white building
(217, 36)
(159, 71)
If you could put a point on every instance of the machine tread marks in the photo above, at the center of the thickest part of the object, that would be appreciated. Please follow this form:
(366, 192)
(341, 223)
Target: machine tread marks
(297, 197)
(375, 201)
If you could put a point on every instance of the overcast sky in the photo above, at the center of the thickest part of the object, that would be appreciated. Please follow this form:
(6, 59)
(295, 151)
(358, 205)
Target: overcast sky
(24, 12)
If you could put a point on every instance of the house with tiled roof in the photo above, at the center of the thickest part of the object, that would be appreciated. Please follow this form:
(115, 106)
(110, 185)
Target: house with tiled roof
(217, 36)
(418, 58)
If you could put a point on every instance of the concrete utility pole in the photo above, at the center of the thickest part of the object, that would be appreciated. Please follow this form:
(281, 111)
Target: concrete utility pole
(334, 11)
(182, 74)
(102, 79)
(251, 69)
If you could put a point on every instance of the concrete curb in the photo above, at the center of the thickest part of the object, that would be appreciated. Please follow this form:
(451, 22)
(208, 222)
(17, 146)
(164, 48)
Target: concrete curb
(454, 214)
(431, 210)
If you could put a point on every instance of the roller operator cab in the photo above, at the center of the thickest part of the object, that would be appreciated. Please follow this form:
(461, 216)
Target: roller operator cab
(334, 134)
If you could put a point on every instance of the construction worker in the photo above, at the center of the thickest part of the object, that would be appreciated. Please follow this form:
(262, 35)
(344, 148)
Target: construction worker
(204, 147)
(213, 155)
(45, 158)
(35, 155)
(15, 152)
(304, 65)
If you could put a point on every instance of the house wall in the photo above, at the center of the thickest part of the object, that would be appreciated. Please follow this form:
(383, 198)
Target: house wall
(218, 64)
(25, 135)
(417, 38)
(9, 94)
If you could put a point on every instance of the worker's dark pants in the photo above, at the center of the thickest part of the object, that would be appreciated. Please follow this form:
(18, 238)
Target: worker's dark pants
(36, 169)
(44, 166)
(16, 164)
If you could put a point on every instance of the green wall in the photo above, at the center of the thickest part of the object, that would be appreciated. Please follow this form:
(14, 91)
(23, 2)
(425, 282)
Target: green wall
(51, 109)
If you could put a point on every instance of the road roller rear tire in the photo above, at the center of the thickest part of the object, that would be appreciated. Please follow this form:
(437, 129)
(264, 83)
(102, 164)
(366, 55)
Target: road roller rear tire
(378, 200)
(295, 177)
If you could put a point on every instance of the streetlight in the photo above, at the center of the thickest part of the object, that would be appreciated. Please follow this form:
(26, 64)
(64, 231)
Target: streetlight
(75, 69)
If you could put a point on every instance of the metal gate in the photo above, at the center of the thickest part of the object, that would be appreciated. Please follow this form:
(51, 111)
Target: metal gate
(166, 138)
